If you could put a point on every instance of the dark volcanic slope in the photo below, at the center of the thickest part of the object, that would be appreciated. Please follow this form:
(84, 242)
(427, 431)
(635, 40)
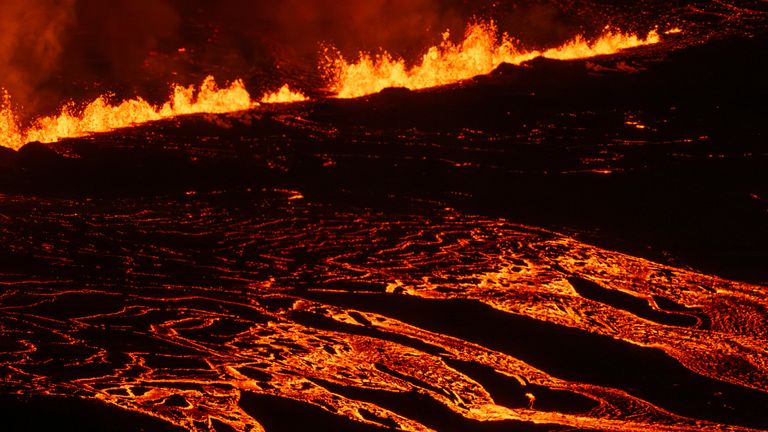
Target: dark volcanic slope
(551, 247)
(651, 155)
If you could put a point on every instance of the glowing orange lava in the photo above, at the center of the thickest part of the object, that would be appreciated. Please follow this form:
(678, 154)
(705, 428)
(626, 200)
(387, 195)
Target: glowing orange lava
(482, 50)
(284, 95)
(101, 115)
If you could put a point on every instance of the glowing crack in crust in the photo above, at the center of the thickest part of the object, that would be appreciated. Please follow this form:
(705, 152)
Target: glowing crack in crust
(135, 335)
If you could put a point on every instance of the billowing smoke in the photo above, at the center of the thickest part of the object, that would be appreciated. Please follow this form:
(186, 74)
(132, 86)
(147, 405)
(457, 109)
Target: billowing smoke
(57, 50)
(30, 43)
(113, 40)
(356, 25)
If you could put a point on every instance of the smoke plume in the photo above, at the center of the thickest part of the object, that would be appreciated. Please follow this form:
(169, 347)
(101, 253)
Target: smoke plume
(30, 43)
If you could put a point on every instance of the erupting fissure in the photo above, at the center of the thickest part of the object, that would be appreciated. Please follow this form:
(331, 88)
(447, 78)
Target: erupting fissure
(481, 51)
(283, 95)
(102, 116)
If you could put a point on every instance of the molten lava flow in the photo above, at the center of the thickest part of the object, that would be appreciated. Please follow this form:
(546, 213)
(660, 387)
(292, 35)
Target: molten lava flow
(284, 95)
(100, 115)
(10, 135)
(481, 51)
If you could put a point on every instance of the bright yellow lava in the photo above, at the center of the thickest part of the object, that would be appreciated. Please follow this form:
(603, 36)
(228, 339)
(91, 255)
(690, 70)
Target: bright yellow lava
(482, 50)
(283, 95)
(101, 115)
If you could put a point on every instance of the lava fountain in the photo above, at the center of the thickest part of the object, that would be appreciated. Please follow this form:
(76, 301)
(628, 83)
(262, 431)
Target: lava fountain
(283, 95)
(102, 116)
(483, 49)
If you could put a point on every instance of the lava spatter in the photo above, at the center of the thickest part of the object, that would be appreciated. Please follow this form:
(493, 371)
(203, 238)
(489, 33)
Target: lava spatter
(102, 115)
(481, 51)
